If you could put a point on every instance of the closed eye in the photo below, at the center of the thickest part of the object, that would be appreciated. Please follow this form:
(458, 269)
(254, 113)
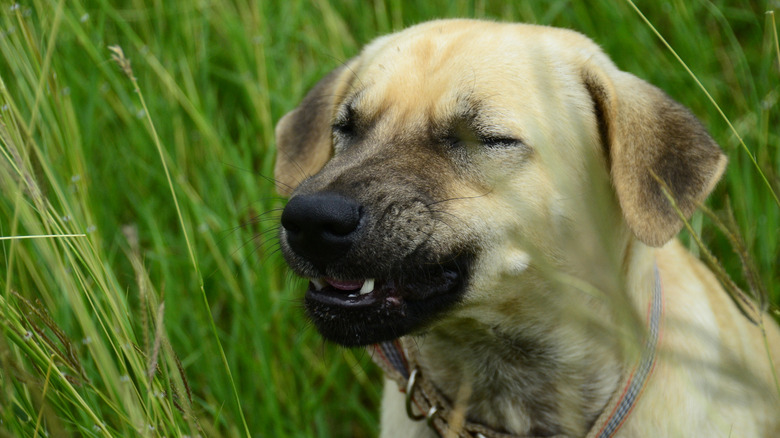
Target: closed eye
(499, 142)
(345, 124)
(485, 141)
(343, 127)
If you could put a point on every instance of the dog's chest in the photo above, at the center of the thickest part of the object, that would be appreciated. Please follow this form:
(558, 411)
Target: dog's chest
(518, 384)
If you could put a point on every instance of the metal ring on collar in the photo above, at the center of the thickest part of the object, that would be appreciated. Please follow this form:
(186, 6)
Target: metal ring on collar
(410, 387)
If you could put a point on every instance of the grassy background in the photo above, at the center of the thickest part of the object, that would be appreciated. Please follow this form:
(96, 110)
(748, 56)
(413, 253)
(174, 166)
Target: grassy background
(100, 330)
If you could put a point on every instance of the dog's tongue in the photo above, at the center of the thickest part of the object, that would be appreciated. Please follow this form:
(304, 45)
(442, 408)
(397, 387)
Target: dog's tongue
(345, 285)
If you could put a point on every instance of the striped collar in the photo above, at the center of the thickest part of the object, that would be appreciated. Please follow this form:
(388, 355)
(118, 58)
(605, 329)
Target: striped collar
(425, 402)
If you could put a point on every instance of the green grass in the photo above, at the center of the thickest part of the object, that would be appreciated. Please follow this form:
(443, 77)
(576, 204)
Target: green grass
(157, 322)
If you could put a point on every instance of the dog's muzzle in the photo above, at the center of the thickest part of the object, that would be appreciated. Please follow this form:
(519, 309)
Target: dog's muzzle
(358, 300)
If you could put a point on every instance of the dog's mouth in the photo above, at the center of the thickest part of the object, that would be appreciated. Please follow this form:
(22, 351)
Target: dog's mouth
(370, 310)
(369, 292)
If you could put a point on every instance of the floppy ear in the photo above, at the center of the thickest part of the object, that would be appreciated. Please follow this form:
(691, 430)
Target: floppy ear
(303, 136)
(645, 132)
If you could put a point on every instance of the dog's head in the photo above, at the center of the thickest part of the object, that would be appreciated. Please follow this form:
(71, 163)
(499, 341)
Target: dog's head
(422, 171)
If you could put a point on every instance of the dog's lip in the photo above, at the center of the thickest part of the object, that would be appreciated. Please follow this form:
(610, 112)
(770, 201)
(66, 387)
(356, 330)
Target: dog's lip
(363, 286)
(352, 293)
(348, 293)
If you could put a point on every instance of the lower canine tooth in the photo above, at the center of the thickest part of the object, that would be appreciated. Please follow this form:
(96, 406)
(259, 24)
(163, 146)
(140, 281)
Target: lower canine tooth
(368, 286)
(318, 284)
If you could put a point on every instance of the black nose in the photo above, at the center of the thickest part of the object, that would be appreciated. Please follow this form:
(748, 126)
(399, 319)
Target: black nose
(321, 227)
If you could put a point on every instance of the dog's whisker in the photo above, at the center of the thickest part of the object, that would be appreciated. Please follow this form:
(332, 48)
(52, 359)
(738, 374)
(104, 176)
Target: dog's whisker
(457, 198)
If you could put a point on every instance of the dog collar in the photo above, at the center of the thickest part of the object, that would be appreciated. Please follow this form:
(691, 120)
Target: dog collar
(424, 401)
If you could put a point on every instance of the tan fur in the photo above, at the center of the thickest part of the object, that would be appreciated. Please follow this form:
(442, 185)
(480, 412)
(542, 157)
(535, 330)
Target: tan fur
(569, 224)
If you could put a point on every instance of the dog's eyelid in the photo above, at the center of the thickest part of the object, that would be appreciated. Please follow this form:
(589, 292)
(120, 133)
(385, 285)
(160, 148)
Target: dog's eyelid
(471, 128)
(484, 139)
(490, 136)
(345, 120)
(499, 141)
(343, 126)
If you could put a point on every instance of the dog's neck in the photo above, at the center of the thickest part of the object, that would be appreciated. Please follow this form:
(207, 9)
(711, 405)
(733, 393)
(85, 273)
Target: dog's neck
(542, 362)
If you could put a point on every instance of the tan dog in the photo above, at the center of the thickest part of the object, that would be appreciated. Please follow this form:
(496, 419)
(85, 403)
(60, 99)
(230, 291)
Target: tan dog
(488, 192)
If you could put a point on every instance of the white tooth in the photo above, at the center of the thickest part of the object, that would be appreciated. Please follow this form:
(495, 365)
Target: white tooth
(368, 286)
(318, 284)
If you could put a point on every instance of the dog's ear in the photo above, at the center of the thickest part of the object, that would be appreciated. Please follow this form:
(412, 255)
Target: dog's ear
(647, 135)
(303, 136)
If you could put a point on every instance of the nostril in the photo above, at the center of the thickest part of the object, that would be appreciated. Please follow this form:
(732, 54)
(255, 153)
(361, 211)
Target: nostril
(289, 222)
(321, 225)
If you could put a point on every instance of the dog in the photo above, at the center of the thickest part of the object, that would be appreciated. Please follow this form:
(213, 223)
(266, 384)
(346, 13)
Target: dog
(495, 205)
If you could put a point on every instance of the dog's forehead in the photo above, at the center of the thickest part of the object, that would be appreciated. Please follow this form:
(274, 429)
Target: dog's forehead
(449, 42)
(440, 67)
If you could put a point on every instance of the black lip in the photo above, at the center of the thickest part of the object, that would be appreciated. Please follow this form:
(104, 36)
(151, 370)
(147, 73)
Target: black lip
(339, 298)
(396, 307)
